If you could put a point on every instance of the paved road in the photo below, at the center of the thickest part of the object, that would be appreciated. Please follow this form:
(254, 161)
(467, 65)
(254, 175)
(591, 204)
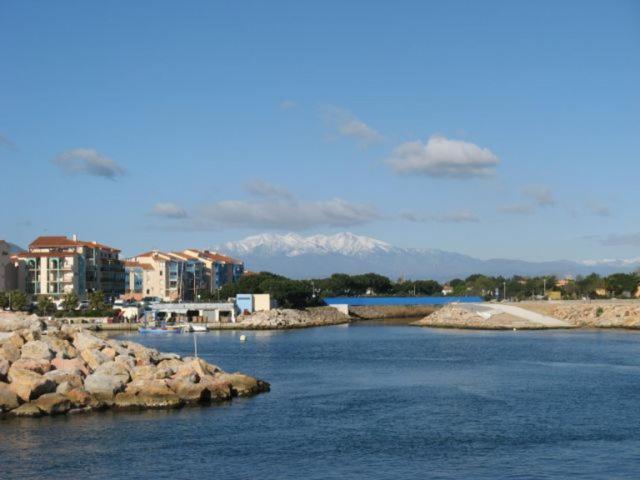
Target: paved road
(523, 313)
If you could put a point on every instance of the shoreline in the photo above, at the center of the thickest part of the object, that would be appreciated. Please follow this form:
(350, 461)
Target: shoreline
(528, 315)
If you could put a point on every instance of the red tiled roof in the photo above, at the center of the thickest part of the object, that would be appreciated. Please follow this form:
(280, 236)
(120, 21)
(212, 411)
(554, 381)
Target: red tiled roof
(44, 254)
(62, 241)
(153, 254)
(143, 266)
(216, 257)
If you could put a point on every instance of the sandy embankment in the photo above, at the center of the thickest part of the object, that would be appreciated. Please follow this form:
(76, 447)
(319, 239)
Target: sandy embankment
(489, 317)
(591, 314)
(537, 315)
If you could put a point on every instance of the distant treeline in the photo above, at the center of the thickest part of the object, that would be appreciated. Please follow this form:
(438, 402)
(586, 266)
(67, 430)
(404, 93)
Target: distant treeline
(303, 293)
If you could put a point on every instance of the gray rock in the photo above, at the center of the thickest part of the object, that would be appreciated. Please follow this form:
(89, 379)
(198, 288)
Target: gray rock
(37, 350)
(29, 385)
(8, 399)
(94, 358)
(53, 404)
(9, 352)
(103, 386)
(84, 340)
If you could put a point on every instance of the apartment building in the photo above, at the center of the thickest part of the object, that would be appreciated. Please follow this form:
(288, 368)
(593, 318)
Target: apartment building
(55, 265)
(136, 276)
(220, 269)
(184, 275)
(8, 272)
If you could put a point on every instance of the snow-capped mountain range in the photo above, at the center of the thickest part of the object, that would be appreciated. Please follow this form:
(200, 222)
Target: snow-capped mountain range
(316, 256)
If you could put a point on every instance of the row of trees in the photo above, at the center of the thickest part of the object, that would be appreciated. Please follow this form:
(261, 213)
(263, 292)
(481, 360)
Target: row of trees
(45, 306)
(302, 293)
(521, 288)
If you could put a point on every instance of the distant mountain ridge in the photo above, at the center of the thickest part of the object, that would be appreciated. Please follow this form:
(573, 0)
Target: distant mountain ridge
(316, 256)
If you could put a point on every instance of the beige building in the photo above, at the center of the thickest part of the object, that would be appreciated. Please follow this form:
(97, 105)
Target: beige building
(8, 272)
(56, 265)
(161, 275)
(185, 275)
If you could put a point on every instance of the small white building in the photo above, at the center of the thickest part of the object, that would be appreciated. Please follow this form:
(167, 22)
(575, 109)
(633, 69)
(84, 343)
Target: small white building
(254, 302)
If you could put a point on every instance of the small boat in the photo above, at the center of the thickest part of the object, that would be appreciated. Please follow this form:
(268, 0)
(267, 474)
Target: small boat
(192, 328)
(198, 328)
(161, 329)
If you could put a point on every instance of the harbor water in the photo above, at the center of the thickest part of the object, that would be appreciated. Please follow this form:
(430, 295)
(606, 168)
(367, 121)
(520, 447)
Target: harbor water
(374, 400)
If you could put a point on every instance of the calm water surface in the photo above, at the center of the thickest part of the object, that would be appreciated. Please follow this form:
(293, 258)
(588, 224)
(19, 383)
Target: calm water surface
(371, 400)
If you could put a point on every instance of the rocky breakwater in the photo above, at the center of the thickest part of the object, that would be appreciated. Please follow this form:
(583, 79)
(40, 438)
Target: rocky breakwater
(48, 369)
(371, 312)
(290, 318)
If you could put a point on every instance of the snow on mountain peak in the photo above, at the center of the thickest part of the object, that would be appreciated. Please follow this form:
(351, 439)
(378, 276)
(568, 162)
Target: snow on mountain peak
(292, 244)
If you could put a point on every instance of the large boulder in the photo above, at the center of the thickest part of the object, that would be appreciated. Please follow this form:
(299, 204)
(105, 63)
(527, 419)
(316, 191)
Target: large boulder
(84, 340)
(29, 385)
(110, 352)
(171, 364)
(197, 366)
(114, 369)
(9, 352)
(145, 372)
(71, 364)
(37, 350)
(8, 399)
(191, 392)
(10, 322)
(148, 394)
(149, 386)
(40, 366)
(70, 379)
(32, 334)
(102, 386)
(60, 347)
(243, 385)
(161, 356)
(219, 389)
(79, 397)
(53, 404)
(93, 357)
(11, 337)
(27, 410)
(119, 347)
(126, 360)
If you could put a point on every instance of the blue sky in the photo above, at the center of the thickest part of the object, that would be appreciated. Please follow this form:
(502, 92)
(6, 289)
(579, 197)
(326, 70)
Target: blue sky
(496, 129)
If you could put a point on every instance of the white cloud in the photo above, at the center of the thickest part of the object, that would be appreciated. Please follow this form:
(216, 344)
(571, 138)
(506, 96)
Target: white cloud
(169, 210)
(86, 161)
(541, 195)
(260, 188)
(292, 215)
(442, 157)
(460, 216)
(288, 104)
(616, 239)
(348, 125)
(598, 209)
(516, 209)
